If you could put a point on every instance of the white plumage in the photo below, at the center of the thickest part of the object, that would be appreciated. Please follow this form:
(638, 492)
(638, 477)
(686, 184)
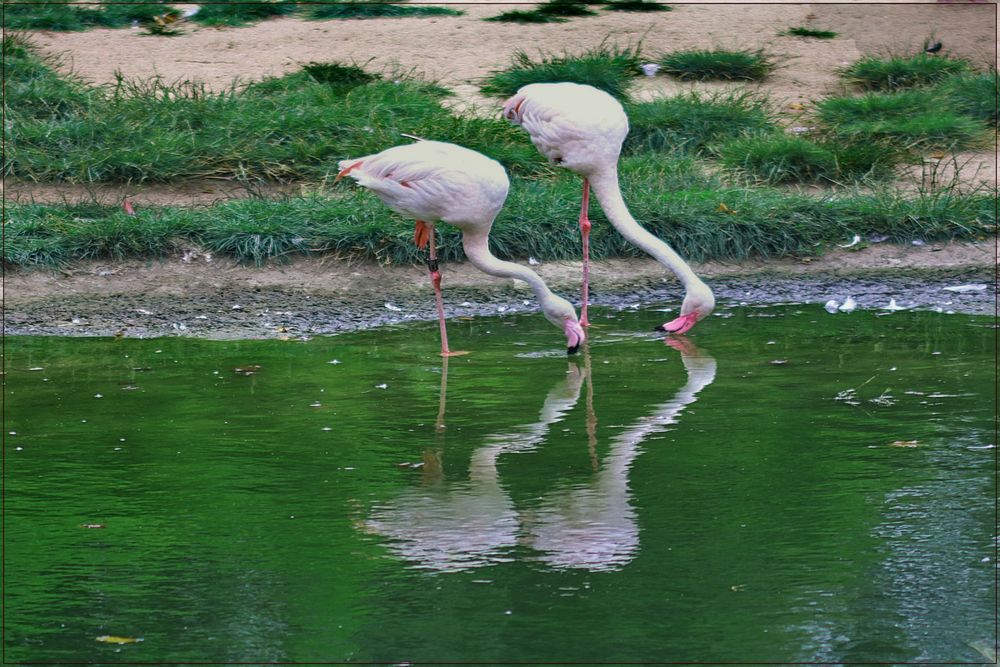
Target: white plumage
(431, 181)
(582, 128)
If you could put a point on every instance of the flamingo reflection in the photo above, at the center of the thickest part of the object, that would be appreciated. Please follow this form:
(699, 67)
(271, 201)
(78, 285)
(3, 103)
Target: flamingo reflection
(459, 526)
(594, 527)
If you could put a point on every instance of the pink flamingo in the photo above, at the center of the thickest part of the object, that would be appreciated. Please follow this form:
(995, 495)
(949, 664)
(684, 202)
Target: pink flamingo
(582, 128)
(430, 181)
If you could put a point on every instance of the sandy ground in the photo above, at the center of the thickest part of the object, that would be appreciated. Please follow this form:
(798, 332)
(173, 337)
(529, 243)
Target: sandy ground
(460, 51)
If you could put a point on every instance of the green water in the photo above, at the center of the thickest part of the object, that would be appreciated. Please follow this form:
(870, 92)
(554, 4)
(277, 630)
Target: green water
(642, 502)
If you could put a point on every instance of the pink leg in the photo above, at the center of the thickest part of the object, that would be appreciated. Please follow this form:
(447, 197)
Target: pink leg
(585, 231)
(432, 266)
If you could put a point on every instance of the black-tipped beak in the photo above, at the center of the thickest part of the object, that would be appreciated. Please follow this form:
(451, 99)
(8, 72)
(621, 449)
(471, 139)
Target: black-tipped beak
(573, 350)
(661, 329)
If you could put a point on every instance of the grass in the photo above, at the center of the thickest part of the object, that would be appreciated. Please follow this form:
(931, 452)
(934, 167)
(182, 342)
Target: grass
(32, 87)
(693, 121)
(60, 15)
(564, 8)
(896, 72)
(56, 15)
(282, 128)
(910, 119)
(972, 94)
(525, 16)
(715, 64)
(779, 158)
(809, 32)
(355, 9)
(241, 13)
(637, 6)
(610, 69)
(538, 220)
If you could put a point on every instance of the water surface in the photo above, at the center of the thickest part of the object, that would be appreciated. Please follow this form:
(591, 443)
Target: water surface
(783, 485)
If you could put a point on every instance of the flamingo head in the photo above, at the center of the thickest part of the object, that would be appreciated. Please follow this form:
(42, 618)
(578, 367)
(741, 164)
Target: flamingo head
(574, 335)
(512, 108)
(698, 304)
(561, 313)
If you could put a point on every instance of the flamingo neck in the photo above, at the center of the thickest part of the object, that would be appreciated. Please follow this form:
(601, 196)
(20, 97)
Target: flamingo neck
(476, 246)
(609, 196)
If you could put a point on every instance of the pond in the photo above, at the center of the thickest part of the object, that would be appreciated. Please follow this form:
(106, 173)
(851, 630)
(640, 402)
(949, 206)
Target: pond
(782, 485)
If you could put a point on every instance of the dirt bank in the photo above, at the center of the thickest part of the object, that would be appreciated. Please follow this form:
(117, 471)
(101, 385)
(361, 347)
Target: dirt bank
(218, 299)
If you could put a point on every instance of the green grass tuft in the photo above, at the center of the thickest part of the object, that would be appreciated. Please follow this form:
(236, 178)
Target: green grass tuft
(974, 95)
(32, 90)
(342, 77)
(637, 6)
(692, 121)
(893, 73)
(809, 32)
(539, 219)
(705, 65)
(564, 8)
(356, 9)
(608, 68)
(779, 158)
(525, 16)
(242, 13)
(910, 119)
(57, 15)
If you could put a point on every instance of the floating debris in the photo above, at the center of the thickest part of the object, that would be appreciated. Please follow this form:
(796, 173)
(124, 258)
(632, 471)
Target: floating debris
(91, 525)
(883, 399)
(113, 639)
(831, 306)
(247, 370)
(965, 288)
(391, 307)
(905, 443)
(848, 306)
(382, 386)
(334, 361)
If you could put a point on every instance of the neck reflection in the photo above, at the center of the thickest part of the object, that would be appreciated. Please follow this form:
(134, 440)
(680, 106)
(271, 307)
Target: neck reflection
(454, 526)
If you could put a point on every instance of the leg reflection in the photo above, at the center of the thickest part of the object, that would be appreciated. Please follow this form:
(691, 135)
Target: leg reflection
(594, 526)
(456, 526)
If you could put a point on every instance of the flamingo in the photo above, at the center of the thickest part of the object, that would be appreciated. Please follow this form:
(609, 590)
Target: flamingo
(582, 128)
(431, 181)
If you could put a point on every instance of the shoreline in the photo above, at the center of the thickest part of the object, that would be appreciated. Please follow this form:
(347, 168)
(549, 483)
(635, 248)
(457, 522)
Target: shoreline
(218, 299)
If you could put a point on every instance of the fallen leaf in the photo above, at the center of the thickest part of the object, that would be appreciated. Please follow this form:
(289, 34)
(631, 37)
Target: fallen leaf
(905, 443)
(113, 639)
(91, 525)
(722, 208)
(798, 106)
(247, 370)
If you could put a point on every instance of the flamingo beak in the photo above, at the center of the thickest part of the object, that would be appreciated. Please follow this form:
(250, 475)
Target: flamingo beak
(679, 325)
(512, 106)
(346, 171)
(574, 336)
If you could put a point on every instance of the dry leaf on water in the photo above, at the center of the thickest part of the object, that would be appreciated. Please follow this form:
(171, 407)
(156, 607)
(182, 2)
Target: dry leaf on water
(114, 639)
